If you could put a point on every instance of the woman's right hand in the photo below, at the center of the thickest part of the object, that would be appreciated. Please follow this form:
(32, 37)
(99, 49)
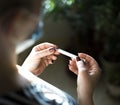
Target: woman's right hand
(40, 57)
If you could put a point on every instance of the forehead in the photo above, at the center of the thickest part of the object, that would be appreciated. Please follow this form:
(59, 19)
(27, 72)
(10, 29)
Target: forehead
(9, 9)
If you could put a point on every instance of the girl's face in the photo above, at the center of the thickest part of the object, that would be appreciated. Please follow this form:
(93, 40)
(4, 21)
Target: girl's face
(24, 25)
(17, 23)
(24, 22)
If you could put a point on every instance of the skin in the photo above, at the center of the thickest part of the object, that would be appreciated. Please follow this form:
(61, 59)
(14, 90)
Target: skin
(88, 73)
(40, 57)
(22, 25)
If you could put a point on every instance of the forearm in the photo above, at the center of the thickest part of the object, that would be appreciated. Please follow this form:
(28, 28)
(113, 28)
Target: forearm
(84, 98)
(85, 101)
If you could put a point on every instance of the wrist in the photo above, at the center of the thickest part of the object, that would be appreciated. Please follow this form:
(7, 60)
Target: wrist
(85, 97)
(87, 100)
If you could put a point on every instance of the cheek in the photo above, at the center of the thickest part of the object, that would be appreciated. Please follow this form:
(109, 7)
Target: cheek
(29, 28)
(26, 28)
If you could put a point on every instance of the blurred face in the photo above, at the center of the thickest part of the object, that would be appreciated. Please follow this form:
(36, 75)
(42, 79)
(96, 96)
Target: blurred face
(20, 22)
(24, 24)
(30, 20)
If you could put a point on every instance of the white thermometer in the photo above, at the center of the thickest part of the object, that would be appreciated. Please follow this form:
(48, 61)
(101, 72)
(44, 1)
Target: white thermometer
(66, 53)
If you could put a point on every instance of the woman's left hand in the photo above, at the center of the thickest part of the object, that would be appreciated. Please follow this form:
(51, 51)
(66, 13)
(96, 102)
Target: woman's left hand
(40, 57)
(88, 72)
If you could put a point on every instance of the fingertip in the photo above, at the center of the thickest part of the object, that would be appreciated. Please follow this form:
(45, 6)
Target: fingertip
(57, 53)
(81, 54)
(52, 49)
(56, 46)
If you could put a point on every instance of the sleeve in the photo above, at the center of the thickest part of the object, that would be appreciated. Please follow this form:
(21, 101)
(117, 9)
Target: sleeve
(44, 92)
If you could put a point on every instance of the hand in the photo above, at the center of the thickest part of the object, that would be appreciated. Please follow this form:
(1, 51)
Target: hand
(40, 57)
(88, 74)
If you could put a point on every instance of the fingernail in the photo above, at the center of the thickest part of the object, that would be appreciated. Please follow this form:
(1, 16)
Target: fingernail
(52, 49)
(78, 58)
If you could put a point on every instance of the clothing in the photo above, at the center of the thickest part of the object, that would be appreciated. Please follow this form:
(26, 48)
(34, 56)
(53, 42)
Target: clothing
(40, 93)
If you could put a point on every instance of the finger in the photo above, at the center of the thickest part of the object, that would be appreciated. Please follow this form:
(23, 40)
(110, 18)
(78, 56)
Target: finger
(50, 61)
(71, 68)
(82, 72)
(46, 62)
(81, 66)
(44, 46)
(94, 68)
(56, 52)
(72, 63)
(52, 57)
(46, 52)
(87, 58)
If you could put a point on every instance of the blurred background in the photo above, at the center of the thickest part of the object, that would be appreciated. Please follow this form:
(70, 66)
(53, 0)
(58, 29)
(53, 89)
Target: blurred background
(89, 26)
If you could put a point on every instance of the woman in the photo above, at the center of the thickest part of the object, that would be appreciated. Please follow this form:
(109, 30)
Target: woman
(18, 19)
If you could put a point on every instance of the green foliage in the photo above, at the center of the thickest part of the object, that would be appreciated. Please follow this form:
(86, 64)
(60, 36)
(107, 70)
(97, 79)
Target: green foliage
(102, 16)
(57, 7)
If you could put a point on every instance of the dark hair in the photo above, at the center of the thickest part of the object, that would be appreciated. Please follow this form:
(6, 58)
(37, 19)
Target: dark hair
(9, 8)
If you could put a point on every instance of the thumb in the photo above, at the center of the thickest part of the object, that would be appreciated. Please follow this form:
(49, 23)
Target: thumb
(82, 73)
(81, 66)
(46, 52)
(82, 70)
